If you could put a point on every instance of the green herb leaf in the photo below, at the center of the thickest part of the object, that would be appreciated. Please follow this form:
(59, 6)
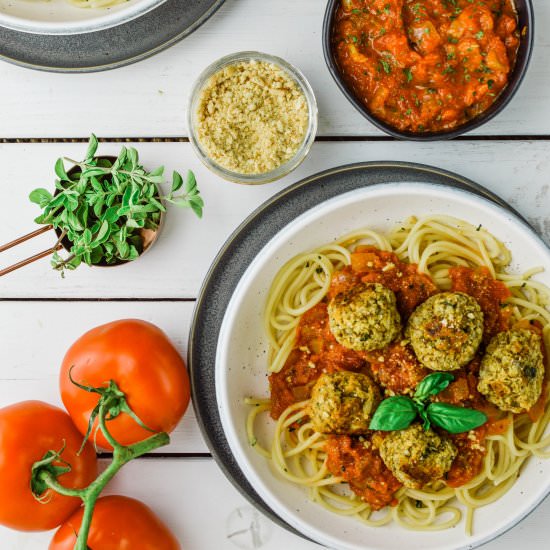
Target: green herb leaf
(190, 183)
(157, 172)
(455, 419)
(102, 233)
(386, 66)
(93, 171)
(60, 170)
(424, 415)
(433, 384)
(92, 147)
(177, 182)
(133, 158)
(41, 197)
(394, 413)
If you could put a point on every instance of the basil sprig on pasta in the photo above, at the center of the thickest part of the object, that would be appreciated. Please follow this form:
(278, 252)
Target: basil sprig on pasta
(398, 413)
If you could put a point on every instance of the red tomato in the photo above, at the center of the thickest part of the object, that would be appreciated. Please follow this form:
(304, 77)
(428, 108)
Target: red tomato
(145, 365)
(118, 523)
(28, 430)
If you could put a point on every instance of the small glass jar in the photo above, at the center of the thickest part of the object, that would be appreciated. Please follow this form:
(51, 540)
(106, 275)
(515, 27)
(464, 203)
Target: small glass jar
(301, 152)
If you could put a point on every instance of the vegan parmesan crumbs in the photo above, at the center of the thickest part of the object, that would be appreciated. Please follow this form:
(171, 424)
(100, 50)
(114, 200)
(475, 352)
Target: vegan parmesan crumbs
(252, 117)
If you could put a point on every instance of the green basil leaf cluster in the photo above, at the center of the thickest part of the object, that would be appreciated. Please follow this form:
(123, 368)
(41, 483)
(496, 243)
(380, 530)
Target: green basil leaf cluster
(397, 413)
(102, 207)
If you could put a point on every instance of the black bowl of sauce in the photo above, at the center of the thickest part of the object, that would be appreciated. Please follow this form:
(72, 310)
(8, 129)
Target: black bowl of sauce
(432, 70)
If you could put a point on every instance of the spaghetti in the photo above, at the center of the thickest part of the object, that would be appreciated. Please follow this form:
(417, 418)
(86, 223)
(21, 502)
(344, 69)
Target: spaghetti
(431, 249)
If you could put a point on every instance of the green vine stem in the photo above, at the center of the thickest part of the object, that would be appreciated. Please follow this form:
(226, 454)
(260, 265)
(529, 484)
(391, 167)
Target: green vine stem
(121, 456)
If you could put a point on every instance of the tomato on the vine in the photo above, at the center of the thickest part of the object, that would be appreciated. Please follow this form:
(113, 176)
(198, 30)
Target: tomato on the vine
(118, 522)
(28, 430)
(145, 366)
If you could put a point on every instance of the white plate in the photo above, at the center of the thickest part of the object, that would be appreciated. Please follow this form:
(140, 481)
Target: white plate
(242, 346)
(61, 17)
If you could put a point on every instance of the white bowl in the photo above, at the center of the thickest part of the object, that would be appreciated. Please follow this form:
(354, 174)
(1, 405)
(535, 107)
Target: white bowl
(241, 361)
(62, 17)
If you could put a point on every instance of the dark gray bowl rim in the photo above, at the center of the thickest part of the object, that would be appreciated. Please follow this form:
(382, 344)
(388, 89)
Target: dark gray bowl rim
(79, 44)
(235, 256)
(516, 78)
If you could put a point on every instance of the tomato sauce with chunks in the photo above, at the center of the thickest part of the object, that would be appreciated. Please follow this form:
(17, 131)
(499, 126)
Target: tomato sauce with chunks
(490, 294)
(316, 351)
(426, 65)
(395, 368)
(360, 464)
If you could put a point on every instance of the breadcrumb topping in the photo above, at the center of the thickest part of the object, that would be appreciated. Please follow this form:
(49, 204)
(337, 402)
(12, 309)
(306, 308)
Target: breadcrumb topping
(252, 117)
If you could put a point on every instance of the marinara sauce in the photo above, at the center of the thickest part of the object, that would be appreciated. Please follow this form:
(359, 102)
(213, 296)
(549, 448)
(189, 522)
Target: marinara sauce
(426, 65)
(395, 369)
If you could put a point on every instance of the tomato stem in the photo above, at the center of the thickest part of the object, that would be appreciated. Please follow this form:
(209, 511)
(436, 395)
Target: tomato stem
(121, 456)
(103, 408)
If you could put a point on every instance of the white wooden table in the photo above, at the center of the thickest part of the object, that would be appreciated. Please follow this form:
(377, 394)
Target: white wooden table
(41, 314)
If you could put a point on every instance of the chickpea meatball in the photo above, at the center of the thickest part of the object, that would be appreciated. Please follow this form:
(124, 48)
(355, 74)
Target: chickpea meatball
(364, 318)
(512, 370)
(416, 456)
(343, 402)
(446, 330)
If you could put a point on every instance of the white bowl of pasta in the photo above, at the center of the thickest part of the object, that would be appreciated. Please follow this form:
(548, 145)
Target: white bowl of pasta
(288, 462)
(70, 16)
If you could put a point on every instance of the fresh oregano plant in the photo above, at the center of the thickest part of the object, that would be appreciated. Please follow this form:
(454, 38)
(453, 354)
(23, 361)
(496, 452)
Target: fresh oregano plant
(103, 207)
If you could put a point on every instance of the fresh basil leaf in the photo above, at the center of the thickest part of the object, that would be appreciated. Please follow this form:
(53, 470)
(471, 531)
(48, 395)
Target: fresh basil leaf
(41, 197)
(423, 415)
(394, 413)
(455, 419)
(433, 384)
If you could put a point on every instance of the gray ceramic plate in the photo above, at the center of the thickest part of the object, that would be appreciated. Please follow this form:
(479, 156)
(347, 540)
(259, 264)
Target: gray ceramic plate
(241, 249)
(109, 48)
